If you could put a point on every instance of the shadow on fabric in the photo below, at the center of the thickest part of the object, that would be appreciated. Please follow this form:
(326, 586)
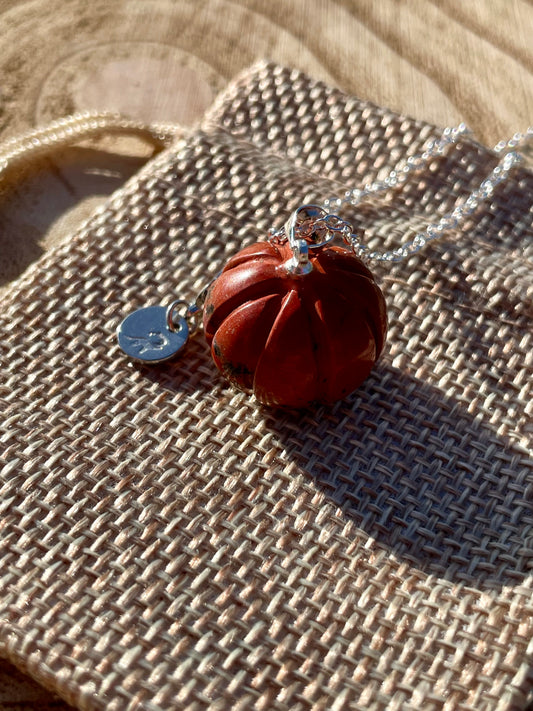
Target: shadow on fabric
(413, 470)
(35, 201)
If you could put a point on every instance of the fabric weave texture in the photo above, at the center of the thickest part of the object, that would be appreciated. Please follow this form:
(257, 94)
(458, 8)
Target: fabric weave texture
(168, 543)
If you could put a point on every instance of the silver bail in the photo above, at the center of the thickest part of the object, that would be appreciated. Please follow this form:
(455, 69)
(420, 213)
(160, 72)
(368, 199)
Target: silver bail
(299, 263)
(308, 222)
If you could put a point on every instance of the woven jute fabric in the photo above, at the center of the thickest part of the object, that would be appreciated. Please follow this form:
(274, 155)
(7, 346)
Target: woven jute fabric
(168, 543)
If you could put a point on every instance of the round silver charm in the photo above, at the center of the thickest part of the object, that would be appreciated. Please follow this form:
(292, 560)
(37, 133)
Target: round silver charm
(150, 336)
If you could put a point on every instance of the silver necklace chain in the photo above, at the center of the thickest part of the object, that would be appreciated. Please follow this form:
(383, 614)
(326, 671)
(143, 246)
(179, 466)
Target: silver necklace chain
(79, 126)
(162, 332)
(400, 174)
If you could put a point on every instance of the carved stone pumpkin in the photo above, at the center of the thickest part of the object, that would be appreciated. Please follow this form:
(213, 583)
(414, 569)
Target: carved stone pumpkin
(295, 339)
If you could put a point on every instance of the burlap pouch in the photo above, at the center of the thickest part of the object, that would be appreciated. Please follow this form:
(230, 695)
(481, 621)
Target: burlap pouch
(167, 543)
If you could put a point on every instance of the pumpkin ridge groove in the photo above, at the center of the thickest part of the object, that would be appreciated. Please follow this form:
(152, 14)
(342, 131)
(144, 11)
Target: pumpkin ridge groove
(320, 336)
(254, 291)
(369, 318)
(291, 307)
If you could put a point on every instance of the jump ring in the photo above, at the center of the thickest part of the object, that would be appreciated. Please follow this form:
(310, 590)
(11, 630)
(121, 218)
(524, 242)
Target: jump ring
(172, 312)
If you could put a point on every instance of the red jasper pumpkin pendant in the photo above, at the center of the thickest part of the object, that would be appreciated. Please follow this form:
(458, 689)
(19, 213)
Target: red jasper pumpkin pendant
(296, 320)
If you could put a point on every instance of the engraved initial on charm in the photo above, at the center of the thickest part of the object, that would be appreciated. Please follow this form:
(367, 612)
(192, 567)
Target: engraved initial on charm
(153, 334)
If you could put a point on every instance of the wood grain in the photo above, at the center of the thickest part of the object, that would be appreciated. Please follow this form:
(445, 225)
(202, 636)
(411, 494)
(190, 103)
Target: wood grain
(439, 60)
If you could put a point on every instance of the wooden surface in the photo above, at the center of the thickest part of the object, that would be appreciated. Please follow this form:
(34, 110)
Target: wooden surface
(439, 60)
